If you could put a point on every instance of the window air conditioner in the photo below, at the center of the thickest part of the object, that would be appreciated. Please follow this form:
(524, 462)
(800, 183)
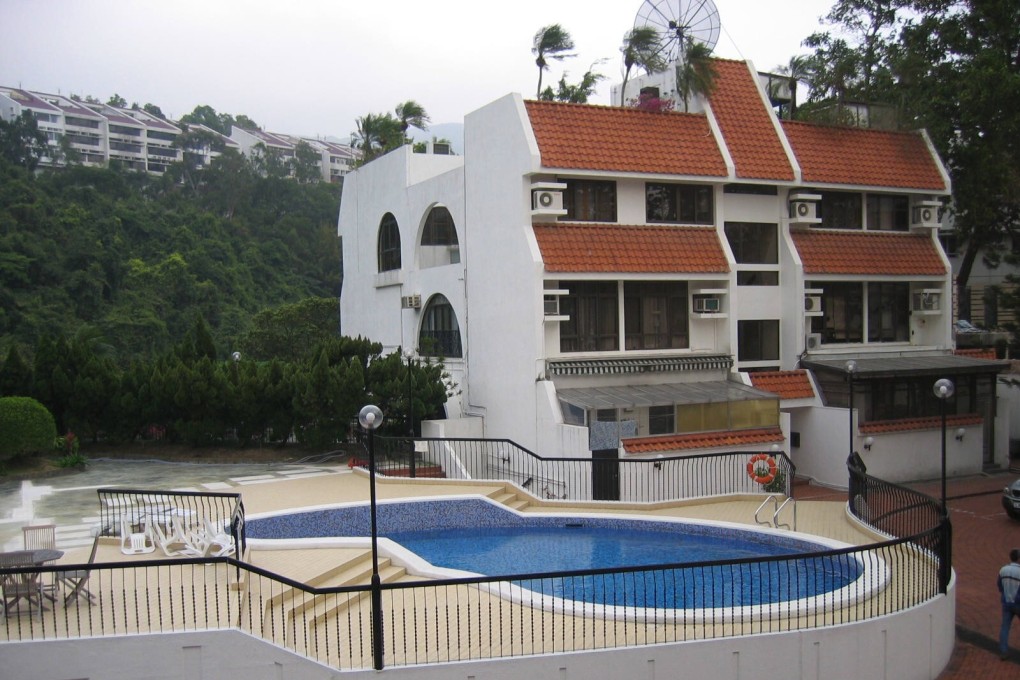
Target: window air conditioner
(707, 305)
(804, 209)
(411, 301)
(812, 303)
(812, 341)
(926, 301)
(547, 201)
(925, 214)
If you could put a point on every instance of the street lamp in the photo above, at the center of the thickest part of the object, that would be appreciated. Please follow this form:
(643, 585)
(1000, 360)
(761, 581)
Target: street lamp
(943, 389)
(370, 419)
(410, 411)
(851, 366)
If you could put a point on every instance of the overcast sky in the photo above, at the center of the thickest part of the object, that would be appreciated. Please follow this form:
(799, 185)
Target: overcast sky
(312, 67)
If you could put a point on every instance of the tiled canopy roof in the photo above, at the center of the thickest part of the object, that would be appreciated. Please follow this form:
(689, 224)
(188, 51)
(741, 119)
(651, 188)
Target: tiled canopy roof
(858, 252)
(928, 423)
(784, 384)
(615, 248)
(703, 440)
(624, 140)
(846, 155)
(747, 128)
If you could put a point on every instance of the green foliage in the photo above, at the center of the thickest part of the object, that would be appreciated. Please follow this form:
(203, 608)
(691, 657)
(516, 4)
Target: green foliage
(26, 427)
(138, 258)
(550, 42)
(73, 460)
(22, 142)
(573, 94)
(291, 332)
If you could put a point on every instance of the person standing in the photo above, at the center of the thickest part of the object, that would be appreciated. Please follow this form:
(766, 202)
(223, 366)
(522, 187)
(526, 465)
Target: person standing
(1009, 584)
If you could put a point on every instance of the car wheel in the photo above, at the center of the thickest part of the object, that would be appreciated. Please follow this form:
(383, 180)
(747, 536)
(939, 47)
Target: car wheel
(1013, 514)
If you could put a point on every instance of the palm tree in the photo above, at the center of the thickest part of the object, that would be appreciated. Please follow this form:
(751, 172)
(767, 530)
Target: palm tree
(376, 135)
(797, 71)
(551, 42)
(412, 114)
(695, 73)
(640, 48)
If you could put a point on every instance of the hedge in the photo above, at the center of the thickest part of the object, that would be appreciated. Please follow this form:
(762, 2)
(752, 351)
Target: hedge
(26, 427)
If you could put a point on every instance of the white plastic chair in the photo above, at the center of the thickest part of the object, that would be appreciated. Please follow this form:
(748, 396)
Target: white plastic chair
(135, 542)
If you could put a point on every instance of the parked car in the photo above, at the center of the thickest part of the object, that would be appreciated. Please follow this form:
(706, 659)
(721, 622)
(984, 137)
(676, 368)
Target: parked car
(1011, 499)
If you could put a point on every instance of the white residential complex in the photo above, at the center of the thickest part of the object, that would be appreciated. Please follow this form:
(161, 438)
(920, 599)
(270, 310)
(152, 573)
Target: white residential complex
(99, 133)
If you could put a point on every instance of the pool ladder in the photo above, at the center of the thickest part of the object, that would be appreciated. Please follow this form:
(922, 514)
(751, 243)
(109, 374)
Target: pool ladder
(777, 508)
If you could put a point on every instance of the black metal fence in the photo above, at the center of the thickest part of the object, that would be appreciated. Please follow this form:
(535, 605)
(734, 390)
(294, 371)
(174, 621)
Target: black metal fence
(636, 480)
(434, 621)
(195, 509)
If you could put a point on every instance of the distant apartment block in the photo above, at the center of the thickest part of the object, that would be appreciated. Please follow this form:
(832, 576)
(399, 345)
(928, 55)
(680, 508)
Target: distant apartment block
(99, 133)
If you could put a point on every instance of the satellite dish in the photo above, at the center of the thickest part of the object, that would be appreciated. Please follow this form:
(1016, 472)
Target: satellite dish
(679, 23)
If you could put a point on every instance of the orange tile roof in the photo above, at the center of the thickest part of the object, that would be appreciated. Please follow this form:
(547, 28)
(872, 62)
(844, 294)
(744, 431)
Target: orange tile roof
(844, 155)
(614, 248)
(856, 252)
(703, 440)
(929, 423)
(583, 137)
(977, 353)
(746, 124)
(784, 384)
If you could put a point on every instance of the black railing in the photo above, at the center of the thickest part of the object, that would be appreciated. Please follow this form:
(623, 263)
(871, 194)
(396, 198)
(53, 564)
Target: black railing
(196, 510)
(901, 512)
(637, 480)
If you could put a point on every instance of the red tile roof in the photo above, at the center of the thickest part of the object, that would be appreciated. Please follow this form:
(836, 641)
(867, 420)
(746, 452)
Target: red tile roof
(579, 136)
(843, 155)
(857, 252)
(614, 248)
(746, 124)
(704, 440)
(909, 424)
(977, 353)
(784, 384)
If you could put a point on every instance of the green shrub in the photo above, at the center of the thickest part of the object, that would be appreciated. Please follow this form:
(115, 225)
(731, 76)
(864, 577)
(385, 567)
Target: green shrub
(26, 427)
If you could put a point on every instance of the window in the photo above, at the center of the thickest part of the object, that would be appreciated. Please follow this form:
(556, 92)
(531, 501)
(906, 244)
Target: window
(661, 420)
(758, 340)
(439, 228)
(753, 242)
(843, 304)
(655, 315)
(840, 210)
(754, 278)
(593, 317)
(440, 333)
(727, 415)
(888, 213)
(678, 203)
(751, 189)
(389, 243)
(590, 200)
(888, 312)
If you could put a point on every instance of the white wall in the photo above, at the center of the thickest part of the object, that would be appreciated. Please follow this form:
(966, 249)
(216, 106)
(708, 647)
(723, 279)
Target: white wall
(914, 644)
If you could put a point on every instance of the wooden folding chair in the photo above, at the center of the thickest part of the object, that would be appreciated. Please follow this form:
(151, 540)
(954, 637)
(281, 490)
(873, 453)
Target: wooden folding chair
(76, 579)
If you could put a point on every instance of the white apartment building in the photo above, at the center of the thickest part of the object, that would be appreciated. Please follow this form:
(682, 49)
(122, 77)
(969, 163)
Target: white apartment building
(335, 160)
(610, 282)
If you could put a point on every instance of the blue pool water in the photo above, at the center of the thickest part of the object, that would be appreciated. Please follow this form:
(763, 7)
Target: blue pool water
(480, 537)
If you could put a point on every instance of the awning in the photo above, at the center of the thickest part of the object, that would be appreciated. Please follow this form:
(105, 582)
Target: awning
(635, 396)
(906, 366)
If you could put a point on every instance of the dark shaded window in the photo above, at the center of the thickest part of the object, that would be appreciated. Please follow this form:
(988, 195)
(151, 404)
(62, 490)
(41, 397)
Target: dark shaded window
(678, 203)
(439, 228)
(593, 317)
(888, 213)
(655, 315)
(440, 333)
(840, 210)
(843, 304)
(751, 189)
(753, 242)
(758, 340)
(661, 419)
(389, 243)
(888, 312)
(590, 200)
(753, 278)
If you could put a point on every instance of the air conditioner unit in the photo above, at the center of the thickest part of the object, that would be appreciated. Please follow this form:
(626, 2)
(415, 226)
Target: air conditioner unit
(925, 214)
(704, 304)
(547, 201)
(926, 301)
(804, 209)
(812, 303)
(812, 341)
(411, 301)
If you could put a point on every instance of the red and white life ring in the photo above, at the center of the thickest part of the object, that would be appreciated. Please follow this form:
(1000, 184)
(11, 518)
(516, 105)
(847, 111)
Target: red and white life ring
(761, 468)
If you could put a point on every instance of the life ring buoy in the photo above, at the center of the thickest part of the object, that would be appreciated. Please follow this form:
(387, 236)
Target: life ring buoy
(761, 468)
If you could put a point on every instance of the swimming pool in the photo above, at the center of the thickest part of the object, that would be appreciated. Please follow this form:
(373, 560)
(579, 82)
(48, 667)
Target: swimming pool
(737, 567)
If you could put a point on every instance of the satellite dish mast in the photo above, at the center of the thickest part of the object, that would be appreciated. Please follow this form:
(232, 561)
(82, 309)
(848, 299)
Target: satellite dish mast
(680, 23)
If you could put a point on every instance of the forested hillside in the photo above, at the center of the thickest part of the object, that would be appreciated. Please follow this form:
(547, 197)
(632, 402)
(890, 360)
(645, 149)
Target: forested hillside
(136, 259)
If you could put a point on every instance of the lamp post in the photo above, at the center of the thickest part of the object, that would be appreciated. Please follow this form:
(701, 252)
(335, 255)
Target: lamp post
(943, 389)
(370, 419)
(851, 366)
(410, 411)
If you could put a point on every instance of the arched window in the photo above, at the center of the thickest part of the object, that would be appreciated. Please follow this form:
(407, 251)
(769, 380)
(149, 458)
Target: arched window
(440, 334)
(439, 228)
(389, 243)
